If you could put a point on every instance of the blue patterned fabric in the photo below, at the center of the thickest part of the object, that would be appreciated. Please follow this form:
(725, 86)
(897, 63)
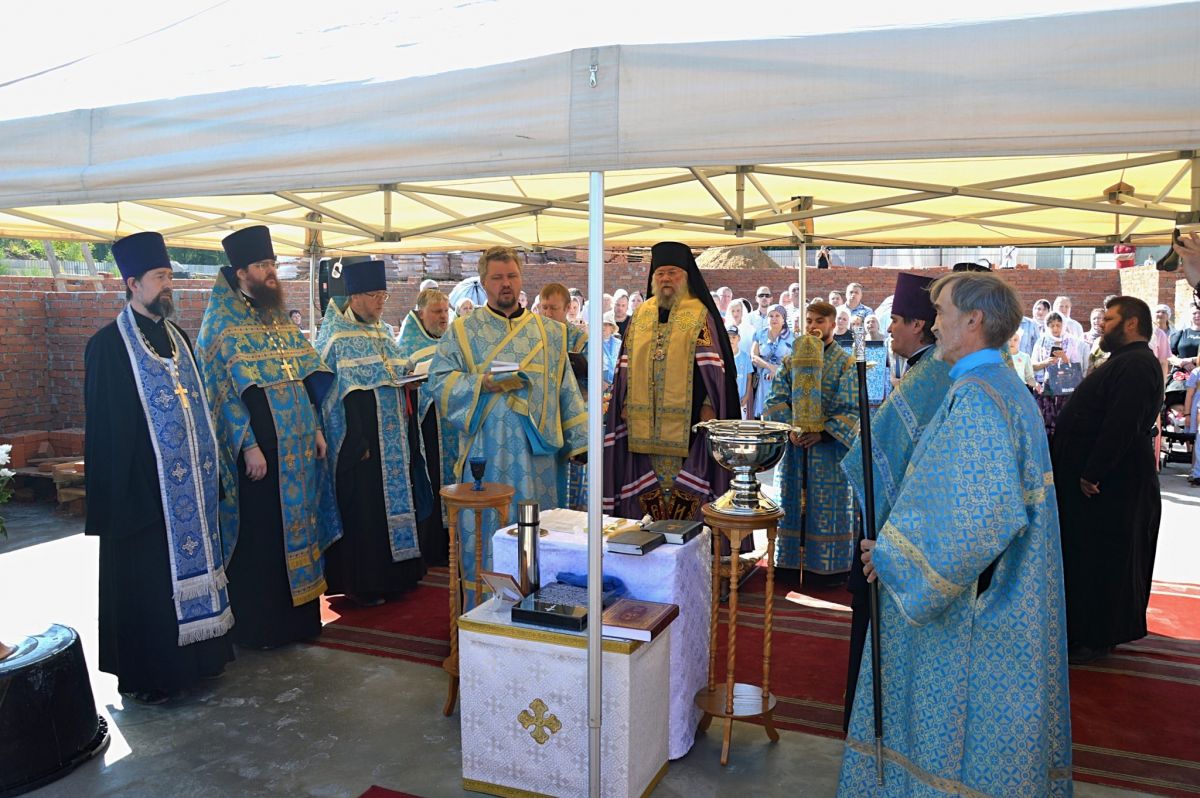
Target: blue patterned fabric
(896, 426)
(365, 357)
(508, 428)
(417, 346)
(239, 347)
(829, 546)
(185, 452)
(975, 695)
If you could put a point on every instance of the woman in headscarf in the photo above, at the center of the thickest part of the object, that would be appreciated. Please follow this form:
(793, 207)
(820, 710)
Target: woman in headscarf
(734, 318)
(771, 345)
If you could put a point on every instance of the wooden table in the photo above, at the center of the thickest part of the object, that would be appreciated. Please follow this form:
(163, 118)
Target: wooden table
(735, 701)
(457, 498)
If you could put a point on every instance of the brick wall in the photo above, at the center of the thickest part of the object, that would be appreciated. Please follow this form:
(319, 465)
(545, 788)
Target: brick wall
(45, 331)
(24, 378)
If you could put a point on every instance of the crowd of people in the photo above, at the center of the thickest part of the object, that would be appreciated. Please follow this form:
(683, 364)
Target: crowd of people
(1016, 494)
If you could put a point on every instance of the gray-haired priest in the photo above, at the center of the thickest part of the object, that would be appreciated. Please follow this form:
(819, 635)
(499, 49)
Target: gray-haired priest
(367, 426)
(152, 490)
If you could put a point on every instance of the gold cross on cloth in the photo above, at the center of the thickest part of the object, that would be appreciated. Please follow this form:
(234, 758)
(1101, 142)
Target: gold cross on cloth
(182, 393)
(287, 367)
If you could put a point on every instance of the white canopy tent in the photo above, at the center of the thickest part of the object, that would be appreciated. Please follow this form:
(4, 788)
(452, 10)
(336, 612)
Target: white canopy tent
(425, 129)
(455, 126)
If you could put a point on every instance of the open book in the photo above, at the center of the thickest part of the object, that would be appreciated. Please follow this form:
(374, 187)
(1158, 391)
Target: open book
(503, 367)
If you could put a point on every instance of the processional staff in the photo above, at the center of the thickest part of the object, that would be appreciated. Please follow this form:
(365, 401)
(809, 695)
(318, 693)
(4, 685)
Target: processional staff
(864, 423)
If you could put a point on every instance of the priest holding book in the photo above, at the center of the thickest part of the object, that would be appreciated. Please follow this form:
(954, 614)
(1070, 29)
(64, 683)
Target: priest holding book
(382, 485)
(526, 422)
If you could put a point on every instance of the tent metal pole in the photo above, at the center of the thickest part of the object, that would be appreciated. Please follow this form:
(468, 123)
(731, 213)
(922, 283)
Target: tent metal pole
(802, 278)
(595, 466)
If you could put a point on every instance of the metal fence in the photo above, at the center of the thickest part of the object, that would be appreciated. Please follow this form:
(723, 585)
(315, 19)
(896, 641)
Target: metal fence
(41, 268)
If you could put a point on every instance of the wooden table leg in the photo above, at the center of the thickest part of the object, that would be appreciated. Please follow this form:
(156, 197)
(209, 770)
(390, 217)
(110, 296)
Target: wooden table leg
(475, 602)
(715, 617)
(451, 662)
(768, 621)
(735, 544)
(725, 740)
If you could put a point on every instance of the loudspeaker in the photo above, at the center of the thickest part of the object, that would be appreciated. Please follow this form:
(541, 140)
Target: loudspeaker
(330, 282)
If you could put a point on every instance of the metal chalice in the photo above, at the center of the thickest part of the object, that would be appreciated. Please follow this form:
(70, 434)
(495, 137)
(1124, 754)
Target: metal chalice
(746, 448)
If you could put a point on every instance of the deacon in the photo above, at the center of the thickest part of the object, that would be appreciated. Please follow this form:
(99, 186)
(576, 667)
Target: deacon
(264, 383)
(527, 423)
(552, 303)
(419, 335)
(972, 626)
(1106, 478)
(153, 491)
(676, 370)
(895, 428)
(367, 426)
(816, 391)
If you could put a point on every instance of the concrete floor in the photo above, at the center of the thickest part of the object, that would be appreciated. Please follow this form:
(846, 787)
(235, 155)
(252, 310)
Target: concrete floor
(310, 721)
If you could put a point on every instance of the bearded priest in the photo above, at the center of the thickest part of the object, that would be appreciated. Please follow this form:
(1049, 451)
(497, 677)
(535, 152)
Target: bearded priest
(367, 419)
(676, 369)
(152, 490)
(265, 383)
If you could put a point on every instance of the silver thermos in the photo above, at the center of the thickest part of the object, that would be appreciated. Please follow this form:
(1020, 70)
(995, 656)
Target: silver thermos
(528, 529)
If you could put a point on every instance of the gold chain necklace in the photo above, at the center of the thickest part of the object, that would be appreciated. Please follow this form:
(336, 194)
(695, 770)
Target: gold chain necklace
(285, 361)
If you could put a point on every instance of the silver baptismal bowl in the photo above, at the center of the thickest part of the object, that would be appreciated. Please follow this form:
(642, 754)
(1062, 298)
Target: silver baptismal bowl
(745, 448)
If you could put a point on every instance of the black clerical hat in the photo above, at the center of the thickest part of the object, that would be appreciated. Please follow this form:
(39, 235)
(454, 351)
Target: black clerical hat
(911, 299)
(139, 253)
(671, 253)
(364, 277)
(248, 245)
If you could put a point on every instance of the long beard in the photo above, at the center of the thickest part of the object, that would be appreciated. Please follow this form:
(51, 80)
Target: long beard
(163, 306)
(1113, 340)
(266, 297)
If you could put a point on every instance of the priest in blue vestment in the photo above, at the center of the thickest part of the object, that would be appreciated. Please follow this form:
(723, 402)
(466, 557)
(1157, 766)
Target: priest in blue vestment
(896, 426)
(972, 620)
(526, 422)
(815, 390)
(265, 383)
(382, 486)
(420, 333)
(153, 487)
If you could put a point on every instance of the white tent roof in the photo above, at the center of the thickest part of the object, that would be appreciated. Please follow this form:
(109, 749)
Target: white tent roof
(458, 126)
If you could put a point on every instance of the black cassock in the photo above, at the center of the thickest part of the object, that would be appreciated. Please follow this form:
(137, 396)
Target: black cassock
(259, 590)
(1108, 540)
(361, 561)
(138, 630)
(433, 536)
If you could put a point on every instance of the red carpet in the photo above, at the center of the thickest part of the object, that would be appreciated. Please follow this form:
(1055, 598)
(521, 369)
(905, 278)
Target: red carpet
(1134, 714)
(383, 792)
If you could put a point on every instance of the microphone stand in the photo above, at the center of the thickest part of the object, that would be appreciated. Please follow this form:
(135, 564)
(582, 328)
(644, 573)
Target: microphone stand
(864, 424)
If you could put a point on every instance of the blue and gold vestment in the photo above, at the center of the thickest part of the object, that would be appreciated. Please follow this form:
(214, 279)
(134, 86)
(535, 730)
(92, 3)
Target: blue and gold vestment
(975, 695)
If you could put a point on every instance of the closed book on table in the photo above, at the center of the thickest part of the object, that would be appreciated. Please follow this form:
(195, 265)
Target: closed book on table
(635, 541)
(675, 531)
(633, 619)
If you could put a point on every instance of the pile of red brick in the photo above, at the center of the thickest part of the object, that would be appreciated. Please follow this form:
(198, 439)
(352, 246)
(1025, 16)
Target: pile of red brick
(41, 444)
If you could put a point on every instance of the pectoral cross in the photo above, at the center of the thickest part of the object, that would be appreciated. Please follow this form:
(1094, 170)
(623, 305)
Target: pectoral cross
(182, 393)
(287, 367)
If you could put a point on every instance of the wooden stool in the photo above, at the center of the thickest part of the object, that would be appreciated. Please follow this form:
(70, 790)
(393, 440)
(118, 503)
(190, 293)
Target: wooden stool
(462, 496)
(733, 701)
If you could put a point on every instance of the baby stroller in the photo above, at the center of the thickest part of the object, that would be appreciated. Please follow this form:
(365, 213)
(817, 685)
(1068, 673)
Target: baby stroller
(1178, 445)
